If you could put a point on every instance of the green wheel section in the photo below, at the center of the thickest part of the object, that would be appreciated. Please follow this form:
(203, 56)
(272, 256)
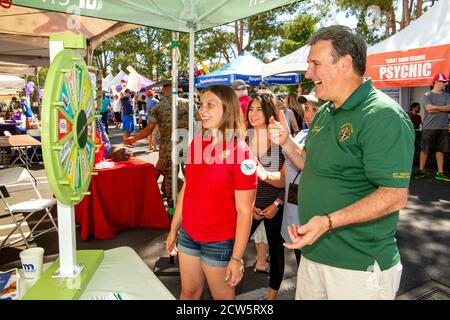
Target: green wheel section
(68, 127)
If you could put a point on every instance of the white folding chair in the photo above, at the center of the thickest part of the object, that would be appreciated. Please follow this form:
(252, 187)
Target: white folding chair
(9, 177)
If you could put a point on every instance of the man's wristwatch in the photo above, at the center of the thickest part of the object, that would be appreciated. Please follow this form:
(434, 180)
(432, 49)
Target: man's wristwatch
(277, 203)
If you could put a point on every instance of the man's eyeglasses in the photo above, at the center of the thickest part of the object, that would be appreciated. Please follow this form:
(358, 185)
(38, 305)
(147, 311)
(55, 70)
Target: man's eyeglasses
(443, 81)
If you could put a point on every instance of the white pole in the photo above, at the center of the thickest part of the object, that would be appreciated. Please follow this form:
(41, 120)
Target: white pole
(67, 241)
(191, 81)
(175, 55)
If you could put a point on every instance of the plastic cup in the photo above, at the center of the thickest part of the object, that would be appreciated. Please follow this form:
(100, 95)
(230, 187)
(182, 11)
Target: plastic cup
(32, 260)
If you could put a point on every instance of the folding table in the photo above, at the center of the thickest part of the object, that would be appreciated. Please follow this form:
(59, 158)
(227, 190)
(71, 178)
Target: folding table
(21, 143)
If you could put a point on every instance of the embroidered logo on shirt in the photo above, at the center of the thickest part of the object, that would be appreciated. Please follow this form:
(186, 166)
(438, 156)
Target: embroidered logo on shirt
(346, 131)
(401, 175)
(248, 167)
(315, 129)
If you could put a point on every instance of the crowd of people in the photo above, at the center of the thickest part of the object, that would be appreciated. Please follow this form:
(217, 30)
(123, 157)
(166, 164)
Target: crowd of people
(325, 173)
(21, 112)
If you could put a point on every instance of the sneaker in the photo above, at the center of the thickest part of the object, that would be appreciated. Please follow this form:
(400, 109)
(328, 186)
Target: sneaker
(441, 176)
(420, 174)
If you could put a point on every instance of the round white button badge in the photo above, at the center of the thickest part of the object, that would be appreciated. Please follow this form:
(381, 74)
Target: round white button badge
(248, 167)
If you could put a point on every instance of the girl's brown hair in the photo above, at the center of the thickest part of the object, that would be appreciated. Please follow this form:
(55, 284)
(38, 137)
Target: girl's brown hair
(293, 103)
(268, 107)
(232, 124)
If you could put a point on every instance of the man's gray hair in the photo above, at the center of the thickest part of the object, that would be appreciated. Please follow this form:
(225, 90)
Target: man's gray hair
(344, 42)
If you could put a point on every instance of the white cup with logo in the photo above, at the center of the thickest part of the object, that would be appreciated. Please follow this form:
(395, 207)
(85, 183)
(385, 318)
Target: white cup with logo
(32, 260)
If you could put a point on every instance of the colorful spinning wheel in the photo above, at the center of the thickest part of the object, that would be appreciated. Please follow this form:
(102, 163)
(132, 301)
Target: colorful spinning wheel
(68, 127)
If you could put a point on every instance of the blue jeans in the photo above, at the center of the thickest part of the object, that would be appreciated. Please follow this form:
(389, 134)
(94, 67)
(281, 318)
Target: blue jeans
(214, 254)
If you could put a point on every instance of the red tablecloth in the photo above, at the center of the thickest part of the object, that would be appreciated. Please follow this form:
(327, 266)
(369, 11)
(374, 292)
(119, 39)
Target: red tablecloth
(124, 197)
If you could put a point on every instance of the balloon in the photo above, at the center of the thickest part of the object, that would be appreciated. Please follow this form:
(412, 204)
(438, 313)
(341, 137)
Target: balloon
(119, 88)
(28, 91)
(29, 88)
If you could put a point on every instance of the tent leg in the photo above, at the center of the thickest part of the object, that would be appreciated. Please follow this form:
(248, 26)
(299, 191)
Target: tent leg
(191, 82)
(175, 55)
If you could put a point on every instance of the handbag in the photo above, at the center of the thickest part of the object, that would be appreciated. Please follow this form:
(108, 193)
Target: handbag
(293, 191)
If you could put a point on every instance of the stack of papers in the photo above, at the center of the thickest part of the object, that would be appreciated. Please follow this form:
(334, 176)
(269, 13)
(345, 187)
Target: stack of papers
(9, 284)
(104, 165)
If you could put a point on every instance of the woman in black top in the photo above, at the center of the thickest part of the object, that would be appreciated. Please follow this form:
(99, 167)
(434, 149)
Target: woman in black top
(269, 199)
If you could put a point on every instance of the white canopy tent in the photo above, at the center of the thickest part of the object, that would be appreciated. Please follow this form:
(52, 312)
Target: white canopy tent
(25, 32)
(113, 81)
(106, 81)
(17, 69)
(293, 62)
(122, 75)
(431, 29)
(412, 56)
(11, 82)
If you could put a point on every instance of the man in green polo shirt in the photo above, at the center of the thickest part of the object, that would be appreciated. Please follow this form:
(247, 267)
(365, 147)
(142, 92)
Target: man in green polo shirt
(356, 170)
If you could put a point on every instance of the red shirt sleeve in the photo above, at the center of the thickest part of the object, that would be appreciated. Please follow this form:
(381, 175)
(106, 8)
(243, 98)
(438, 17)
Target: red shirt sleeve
(244, 168)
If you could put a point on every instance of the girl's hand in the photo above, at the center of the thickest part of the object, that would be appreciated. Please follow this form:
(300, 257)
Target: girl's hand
(257, 214)
(171, 243)
(235, 272)
(270, 211)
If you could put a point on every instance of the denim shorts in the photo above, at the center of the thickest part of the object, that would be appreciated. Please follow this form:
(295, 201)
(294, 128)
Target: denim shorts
(214, 254)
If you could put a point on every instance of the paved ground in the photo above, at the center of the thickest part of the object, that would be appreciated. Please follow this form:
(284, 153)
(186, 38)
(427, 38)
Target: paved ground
(423, 238)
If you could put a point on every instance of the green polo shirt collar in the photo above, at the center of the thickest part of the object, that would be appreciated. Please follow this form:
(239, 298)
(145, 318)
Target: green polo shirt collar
(356, 99)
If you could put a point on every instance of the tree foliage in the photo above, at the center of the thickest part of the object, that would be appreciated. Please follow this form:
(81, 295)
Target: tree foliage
(147, 50)
(277, 32)
(389, 23)
(296, 33)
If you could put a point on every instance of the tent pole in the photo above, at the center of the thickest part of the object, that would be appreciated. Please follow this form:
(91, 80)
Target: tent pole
(175, 56)
(191, 82)
(36, 72)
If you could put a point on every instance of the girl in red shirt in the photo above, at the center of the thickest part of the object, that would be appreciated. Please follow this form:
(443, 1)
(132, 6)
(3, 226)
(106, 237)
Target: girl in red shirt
(213, 215)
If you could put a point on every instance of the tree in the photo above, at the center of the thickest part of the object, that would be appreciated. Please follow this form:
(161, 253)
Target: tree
(215, 43)
(147, 50)
(296, 33)
(259, 33)
(411, 9)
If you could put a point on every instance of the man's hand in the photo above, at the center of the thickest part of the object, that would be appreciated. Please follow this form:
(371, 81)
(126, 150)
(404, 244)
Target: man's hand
(128, 141)
(279, 131)
(308, 233)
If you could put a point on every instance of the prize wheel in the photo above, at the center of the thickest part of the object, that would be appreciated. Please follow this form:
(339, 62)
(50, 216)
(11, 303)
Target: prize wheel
(68, 127)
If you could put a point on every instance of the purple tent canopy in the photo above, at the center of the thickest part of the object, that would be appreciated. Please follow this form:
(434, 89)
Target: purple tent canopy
(144, 82)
